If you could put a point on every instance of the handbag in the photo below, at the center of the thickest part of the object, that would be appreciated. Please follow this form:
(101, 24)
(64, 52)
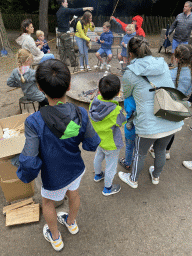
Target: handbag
(169, 103)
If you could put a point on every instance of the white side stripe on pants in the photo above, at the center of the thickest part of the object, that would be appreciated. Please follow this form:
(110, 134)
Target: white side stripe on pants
(136, 158)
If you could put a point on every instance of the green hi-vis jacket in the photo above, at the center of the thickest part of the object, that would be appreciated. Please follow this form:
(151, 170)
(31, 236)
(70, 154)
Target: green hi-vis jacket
(106, 117)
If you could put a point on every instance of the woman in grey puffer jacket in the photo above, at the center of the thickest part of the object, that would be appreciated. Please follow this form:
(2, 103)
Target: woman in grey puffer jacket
(149, 128)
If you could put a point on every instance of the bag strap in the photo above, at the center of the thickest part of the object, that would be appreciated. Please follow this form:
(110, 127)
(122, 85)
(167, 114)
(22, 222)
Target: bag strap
(147, 80)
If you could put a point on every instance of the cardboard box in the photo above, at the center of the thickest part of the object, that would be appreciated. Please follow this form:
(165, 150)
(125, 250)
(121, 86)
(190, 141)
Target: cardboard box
(12, 187)
(14, 145)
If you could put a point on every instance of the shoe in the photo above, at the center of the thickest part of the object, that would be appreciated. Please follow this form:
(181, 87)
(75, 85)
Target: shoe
(168, 156)
(62, 218)
(126, 177)
(81, 68)
(114, 190)
(102, 66)
(151, 151)
(188, 164)
(190, 128)
(88, 68)
(108, 66)
(155, 181)
(56, 244)
(171, 65)
(122, 163)
(99, 177)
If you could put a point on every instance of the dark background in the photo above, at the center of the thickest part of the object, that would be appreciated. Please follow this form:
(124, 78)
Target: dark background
(102, 7)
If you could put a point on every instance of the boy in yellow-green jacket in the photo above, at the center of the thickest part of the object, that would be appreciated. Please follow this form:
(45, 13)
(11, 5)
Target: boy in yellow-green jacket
(107, 117)
(81, 38)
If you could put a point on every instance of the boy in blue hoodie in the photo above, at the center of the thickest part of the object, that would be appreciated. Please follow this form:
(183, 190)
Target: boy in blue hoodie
(106, 41)
(106, 117)
(53, 135)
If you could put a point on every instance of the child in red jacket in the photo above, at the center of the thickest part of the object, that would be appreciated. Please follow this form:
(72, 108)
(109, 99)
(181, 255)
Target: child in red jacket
(137, 20)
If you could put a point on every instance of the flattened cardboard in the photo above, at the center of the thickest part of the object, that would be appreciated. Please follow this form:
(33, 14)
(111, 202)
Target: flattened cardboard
(14, 145)
(12, 187)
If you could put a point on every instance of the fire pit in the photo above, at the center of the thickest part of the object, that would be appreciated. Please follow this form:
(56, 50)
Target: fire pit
(84, 86)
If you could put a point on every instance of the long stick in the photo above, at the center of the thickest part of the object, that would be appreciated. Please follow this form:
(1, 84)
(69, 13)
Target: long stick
(115, 7)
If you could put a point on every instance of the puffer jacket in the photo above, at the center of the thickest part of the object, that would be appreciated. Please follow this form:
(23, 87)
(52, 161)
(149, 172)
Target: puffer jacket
(157, 72)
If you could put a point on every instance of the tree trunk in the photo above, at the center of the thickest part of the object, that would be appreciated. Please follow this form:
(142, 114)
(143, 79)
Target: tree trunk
(43, 17)
(4, 42)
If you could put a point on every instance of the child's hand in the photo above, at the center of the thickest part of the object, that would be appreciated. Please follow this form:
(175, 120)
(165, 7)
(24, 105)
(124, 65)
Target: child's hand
(48, 51)
(102, 41)
(123, 44)
(112, 17)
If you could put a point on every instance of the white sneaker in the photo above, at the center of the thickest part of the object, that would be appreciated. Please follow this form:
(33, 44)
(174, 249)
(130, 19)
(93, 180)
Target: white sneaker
(73, 228)
(102, 66)
(88, 67)
(126, 177)
(168, 155)
(155, 181)
(188, 164)
(81, 68)
(56, 244)
(108, 66)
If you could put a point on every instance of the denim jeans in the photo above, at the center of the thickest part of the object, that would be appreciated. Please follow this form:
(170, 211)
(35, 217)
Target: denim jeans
(130, 145)
(111, 158)
(47, 56)
(83, 50)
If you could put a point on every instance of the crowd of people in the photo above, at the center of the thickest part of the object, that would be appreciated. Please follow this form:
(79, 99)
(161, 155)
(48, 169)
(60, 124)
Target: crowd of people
(54, 133)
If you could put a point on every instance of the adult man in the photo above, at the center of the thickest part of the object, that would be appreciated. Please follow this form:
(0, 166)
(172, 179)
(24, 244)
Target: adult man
(183, 27)
(63, 17)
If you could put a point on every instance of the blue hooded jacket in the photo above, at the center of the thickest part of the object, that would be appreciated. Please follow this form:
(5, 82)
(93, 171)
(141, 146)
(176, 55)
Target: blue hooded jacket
(108, 38)
(58, 159)
(125, 40)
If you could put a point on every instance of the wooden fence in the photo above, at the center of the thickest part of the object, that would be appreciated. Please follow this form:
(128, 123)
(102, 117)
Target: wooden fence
(151, 24)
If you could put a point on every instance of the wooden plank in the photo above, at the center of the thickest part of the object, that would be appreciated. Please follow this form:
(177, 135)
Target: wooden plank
(17, 205)
(25, 214)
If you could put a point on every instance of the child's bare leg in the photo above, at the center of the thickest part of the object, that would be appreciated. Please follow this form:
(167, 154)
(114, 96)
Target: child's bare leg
(109, 58)
(120, 57)
(125, 60)
(99, 57)
(50, 216)
(74, 203)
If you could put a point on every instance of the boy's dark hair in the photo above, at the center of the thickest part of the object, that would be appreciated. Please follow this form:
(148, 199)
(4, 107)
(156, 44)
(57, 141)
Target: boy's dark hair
(25, 24)
(109, 86)
(53, 77)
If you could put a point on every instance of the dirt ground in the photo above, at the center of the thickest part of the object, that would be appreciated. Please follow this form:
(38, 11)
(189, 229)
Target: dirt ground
(146, 221)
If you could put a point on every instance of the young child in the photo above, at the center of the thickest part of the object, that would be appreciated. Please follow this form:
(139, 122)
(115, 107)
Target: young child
(137, 21)
(41, 41)
(53, 135)
(106, 117)
(129, 129)
(106, 41)
(181, 76)
(130, 32)
(23, 76)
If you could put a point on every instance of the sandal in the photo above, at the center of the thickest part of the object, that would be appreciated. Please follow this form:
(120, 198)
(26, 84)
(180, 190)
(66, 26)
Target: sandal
(122, 163)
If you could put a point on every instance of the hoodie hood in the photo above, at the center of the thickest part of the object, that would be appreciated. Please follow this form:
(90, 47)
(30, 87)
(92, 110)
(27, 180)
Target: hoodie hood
(100, 108)
(139, 20)
(63, 120)
(148, 66)
(20, 40)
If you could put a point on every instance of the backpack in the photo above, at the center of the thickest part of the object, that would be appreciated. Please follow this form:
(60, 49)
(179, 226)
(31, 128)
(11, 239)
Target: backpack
(74, 24)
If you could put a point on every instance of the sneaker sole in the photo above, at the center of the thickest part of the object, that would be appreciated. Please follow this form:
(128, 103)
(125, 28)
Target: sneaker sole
(99, 180)
(131, 185)
(187, 167)
(112, 193)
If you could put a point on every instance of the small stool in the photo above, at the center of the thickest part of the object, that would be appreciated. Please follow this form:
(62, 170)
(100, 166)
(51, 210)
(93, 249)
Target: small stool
(25, 101)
